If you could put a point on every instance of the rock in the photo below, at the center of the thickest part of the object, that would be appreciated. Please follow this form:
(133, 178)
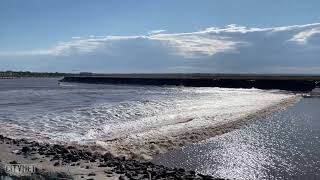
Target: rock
(24, 141)
(25, 149)
(13, 162)
(56, 164)
(50, 153)
(56, 157)
(56, 146)
(92, 174)
(88, 153)
(14, 141)
(107, 156)
(123, 178)
(71, 158)
(35, 144)
(205, 177)
(70, 147)
(181, 170)
(119, 172)
(122, 158)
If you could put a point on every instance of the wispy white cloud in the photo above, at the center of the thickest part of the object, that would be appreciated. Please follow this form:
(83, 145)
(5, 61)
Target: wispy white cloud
(24, 53)
(294, 27)
(231, 48)
(157, 31)
(302, 37)
(189, 45)
(233, 28)
(192, 45)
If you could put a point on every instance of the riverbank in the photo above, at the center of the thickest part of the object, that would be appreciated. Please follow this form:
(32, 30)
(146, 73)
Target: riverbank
(53, 161)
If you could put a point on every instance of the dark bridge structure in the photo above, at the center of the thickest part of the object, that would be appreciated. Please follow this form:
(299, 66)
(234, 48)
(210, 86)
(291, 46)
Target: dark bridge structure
(299, 83)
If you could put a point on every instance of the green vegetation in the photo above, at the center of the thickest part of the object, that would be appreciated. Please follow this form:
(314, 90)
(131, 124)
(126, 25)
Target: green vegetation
(23, 74)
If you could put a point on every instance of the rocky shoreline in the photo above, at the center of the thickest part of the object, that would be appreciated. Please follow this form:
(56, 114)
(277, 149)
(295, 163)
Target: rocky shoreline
(56, 161)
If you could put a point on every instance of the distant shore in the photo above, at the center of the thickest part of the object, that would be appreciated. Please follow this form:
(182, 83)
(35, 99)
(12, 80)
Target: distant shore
(27, 74)
(29, 77)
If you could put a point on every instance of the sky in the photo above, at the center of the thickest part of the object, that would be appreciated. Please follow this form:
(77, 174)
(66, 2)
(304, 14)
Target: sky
(167, 36)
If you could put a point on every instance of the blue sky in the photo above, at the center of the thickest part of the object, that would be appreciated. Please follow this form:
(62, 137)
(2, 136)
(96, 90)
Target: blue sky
(32, 31)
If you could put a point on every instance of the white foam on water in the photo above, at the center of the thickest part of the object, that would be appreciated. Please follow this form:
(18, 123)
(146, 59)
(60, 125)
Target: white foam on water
(162, 114)
(142, 137)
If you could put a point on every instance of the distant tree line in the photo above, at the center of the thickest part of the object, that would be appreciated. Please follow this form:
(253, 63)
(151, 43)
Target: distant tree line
(21, 74)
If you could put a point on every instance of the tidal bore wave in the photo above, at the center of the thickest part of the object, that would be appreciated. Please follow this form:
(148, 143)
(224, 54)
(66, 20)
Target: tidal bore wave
(134, 121)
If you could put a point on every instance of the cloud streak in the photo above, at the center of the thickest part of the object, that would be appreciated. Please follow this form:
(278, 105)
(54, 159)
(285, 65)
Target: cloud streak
(156, 31)
(302, 37)
(193, 45)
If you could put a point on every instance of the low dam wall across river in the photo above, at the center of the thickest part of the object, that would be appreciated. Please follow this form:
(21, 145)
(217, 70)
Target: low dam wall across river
(303, 83)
